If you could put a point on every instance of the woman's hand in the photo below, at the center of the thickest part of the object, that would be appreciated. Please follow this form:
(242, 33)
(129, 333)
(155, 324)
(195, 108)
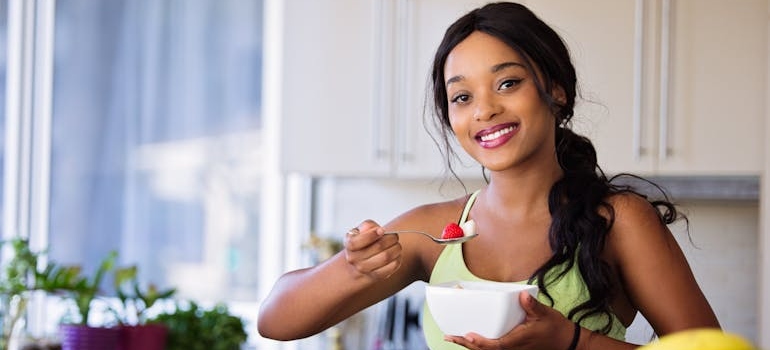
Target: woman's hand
(371, 253)
(543, 328)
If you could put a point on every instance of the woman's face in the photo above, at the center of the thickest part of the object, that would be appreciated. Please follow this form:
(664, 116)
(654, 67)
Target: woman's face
(495, 110)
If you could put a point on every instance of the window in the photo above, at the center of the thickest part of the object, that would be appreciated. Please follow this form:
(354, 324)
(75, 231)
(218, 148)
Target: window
(154, 140)
(3, 65)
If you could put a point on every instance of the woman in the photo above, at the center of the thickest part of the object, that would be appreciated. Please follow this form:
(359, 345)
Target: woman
(505, 88)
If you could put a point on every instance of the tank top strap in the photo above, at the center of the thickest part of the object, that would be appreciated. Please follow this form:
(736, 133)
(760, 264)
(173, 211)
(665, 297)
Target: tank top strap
(468, 205)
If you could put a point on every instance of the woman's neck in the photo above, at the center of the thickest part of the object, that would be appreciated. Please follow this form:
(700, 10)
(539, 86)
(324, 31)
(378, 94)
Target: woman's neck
(522, 191)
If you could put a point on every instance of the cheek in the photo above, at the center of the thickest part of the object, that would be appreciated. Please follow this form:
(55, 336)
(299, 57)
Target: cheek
(459, 114)
(456, 129)
(455, 120)
(461, 131)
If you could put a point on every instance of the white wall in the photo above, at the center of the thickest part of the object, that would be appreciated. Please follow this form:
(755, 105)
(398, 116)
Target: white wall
(764, 250)
(723, 252)
(764, 241)
(723, 256)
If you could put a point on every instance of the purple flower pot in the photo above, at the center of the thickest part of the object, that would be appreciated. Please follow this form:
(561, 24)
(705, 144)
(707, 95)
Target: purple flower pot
(143, 337)
(80, 337)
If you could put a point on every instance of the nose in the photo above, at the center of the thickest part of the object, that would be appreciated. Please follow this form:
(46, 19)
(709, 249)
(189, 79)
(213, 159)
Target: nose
(487, 107)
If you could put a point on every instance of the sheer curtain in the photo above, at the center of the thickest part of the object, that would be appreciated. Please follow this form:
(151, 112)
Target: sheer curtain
(3, 65)
(156, 141)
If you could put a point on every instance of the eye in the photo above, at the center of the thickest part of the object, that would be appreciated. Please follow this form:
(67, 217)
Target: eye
(509, 83)
(460, 98)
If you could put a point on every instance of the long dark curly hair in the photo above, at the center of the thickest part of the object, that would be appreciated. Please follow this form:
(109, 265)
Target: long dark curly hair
(578, 202)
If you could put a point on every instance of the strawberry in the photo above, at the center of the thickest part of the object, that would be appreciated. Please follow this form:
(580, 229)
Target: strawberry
(452, 230)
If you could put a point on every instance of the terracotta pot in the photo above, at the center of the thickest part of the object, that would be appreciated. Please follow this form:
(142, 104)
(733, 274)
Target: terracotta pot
(143, 337)
(80, 337)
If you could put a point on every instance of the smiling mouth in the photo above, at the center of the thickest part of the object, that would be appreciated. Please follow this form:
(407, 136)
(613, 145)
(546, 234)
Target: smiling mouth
(497, 134)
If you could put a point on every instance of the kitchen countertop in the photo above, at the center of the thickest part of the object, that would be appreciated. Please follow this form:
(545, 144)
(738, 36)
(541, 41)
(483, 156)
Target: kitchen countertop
(680, 188)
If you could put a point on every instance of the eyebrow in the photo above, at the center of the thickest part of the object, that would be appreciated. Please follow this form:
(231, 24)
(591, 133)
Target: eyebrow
(496, 68)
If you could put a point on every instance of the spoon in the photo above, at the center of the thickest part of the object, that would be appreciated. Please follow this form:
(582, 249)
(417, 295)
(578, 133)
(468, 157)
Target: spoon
(437, 240)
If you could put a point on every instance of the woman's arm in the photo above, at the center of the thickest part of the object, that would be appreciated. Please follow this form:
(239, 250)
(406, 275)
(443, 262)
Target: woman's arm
(305, 302)
(653, 270)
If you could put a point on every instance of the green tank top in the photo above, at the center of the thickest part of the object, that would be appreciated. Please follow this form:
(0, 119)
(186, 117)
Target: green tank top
(567, 292)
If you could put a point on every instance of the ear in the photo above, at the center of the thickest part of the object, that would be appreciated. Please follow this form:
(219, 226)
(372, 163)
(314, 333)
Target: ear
(558, 94)
(560, 97)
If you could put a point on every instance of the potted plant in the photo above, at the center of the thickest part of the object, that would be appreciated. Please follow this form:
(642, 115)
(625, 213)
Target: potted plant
(83, 290)
(15, 284)
(19, 276)
(196, 328)
(22, 274)
(136, 333)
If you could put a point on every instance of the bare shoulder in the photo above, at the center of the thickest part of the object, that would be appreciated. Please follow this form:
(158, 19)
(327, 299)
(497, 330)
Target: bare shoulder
(637, 224)
(634, 213)
(655, 274)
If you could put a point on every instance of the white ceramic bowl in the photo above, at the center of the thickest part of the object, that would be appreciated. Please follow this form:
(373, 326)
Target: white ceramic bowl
(490, 309)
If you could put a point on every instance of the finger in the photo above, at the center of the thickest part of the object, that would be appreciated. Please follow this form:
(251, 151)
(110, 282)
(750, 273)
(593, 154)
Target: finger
(482, 342)
(530, 305)
(369, 242)
(365, 225)
(386, 253)
(387, 270)
(368, 225)
(473, 341)
(375, 256)
(357, 239)
(458, 340)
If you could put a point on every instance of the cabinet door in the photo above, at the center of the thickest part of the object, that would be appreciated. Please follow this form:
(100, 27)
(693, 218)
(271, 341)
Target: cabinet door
(416, 153)
(602, 38)
(330, 56)
(717, 88)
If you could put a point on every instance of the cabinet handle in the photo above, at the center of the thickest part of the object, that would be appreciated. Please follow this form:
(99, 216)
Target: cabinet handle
(639, 28)
(665, 70)
(382, 89)
(404, 51)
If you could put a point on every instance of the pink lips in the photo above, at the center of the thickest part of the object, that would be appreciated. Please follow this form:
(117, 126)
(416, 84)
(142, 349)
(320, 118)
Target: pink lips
(496, 135)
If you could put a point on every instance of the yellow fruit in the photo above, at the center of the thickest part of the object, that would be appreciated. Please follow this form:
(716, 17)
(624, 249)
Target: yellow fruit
(700, 339)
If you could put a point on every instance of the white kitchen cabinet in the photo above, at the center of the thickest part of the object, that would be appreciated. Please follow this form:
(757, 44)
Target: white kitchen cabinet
(350, 85)
(325, 63)
(600, 35)
(717, 88)
(671, 87)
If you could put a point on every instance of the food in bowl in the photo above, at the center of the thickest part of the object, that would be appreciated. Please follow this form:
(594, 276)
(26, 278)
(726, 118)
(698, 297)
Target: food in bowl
(488, 308)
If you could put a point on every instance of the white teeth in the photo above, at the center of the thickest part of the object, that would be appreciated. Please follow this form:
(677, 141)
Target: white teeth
(497, 134)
